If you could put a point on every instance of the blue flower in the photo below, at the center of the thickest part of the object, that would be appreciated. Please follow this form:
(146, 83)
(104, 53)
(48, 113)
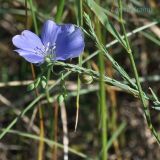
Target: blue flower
(57, 42)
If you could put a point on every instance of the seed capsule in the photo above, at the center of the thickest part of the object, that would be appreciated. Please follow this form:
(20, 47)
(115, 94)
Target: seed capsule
(86, 79)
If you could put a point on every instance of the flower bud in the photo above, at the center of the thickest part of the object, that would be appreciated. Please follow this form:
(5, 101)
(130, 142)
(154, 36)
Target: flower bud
(86, 79)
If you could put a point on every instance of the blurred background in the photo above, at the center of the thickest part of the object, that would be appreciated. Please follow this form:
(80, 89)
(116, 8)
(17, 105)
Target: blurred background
(132, 139)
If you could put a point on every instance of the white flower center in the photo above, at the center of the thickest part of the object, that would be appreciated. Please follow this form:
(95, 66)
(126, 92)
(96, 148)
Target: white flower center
(47, 51)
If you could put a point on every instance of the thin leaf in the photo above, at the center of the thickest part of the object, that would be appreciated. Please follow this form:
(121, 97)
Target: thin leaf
(103, 18)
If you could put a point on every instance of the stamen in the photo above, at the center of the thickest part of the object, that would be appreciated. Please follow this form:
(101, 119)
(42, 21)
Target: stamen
(50, 50)
(47, 51)
(39, 51)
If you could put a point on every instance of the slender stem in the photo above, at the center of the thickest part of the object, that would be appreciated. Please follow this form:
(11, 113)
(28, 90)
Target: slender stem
(80, 12)
(80, 23)
(131, 57)
(33, 16)
(41, 143)
(95, 75)
(59, 11)
(47, 92)
(103, 106)
(103, 49)
(50, 143)
(102, 93)
(23, 112)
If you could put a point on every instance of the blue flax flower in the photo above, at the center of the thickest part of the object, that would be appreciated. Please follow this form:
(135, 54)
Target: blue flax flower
(57, 42)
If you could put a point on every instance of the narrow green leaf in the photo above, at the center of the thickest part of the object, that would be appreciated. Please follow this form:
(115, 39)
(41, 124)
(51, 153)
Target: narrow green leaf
(103, 18)
(30, 87)
(37, 82)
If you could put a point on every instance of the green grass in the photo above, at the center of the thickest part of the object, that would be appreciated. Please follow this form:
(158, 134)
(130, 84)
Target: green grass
(105, 31)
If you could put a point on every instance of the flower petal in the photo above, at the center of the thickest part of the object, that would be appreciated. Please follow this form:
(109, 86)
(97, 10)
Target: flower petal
(30, 56)
(49, 32)
(68, 28)
(69, 43)
(27, 41)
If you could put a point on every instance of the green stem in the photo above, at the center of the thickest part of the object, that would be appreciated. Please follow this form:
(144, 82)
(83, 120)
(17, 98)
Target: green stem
(102, 93)
(80, 23)
(103, 105)
(47, 92)
(34, 17)
(59, 11)
(107, 55)
(131, 57)
(95, 75)
(80, 12)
